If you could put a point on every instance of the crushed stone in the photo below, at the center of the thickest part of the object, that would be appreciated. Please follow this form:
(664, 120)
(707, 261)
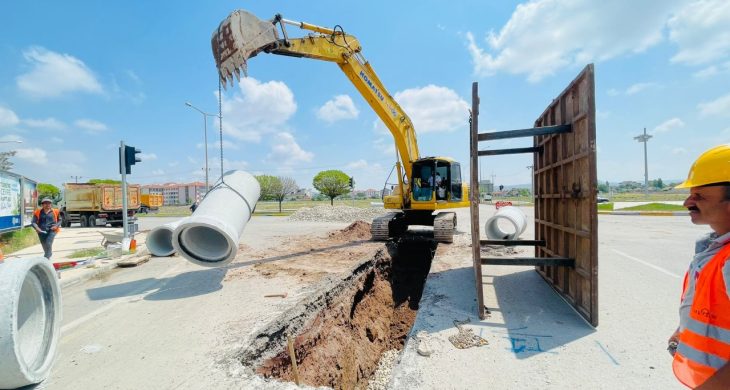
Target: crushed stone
(336, 214)
(381, 377)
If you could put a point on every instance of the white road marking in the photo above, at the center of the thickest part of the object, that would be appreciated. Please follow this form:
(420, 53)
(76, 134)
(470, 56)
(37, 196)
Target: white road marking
(133, 298)
(650, 265)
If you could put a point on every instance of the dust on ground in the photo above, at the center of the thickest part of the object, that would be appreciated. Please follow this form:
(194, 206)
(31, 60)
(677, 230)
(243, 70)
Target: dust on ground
(307, 258)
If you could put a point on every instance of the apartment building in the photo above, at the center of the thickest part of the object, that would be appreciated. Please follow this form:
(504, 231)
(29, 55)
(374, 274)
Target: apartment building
(177, 193)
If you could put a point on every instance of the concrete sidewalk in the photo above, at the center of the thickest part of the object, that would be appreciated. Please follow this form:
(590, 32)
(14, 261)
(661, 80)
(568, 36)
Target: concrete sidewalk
(73, 239)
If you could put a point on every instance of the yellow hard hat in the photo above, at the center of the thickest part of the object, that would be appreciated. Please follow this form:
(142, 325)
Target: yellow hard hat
(713, 166)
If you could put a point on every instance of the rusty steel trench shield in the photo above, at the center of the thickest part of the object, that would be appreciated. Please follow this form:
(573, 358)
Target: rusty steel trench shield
(565, 195)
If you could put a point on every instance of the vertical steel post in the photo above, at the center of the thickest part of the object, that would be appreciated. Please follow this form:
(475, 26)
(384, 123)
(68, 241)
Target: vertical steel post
(474, 196)
(123, 165)
(645, 139)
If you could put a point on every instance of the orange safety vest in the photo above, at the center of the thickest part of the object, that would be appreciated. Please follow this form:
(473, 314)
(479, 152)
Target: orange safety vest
(704, 344)
(37, 214)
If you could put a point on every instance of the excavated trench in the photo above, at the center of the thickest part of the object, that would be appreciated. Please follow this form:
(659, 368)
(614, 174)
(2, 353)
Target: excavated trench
(341, 331)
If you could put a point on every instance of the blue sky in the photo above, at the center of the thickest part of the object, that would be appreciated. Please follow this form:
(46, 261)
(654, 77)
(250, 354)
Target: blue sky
(78, 77)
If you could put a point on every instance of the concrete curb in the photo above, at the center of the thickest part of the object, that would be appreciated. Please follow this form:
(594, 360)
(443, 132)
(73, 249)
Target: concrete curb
(646, 213)
(90, 273)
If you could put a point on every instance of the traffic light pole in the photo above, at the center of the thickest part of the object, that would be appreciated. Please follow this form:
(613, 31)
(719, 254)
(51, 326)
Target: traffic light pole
(122, 161)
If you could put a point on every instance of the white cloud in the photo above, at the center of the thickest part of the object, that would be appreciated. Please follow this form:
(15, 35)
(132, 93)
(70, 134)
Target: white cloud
(53, 74)
(287, 151)
(544, 36)
(339, 108)
(712, 70)
(34, 155)
(147, 156)
(359, 164)
(638, 87)
(11, 138)
(8, 117)
(173, 164)
(668, 125)
(613, 92)
(257, 109)
(679, 151)
(719, 106)
(158, 172)
(48, 123)
(700, 29)
(91, 126)
(434, 109)
(234, 164)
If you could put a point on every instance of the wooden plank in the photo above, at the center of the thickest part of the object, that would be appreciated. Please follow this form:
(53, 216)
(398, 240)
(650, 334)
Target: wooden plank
(541, 261)
(133, 261)
(525, 132)
(474, 197)
(513, 242)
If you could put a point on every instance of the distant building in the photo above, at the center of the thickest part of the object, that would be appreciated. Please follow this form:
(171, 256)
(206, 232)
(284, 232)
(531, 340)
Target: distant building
(486, 187)
(177, 193)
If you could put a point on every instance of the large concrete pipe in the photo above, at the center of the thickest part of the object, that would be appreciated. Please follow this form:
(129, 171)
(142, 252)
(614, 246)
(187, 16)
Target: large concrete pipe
(30, 320)
(210, 236)
(512, 220)
(159, 240)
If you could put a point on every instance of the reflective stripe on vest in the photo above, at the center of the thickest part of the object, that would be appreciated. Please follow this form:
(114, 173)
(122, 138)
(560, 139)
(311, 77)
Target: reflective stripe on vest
(704, 343)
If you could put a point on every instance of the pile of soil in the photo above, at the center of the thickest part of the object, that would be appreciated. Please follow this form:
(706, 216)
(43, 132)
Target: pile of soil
(356, 231)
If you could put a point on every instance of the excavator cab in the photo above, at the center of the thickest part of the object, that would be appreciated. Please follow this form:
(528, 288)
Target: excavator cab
(436, 180)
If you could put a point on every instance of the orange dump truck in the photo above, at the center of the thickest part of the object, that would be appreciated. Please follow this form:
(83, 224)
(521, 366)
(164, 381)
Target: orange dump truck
(150, 202)
(91, 204)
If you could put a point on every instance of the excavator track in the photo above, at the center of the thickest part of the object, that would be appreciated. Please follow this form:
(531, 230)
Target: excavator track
(444, 225)
(388, 225)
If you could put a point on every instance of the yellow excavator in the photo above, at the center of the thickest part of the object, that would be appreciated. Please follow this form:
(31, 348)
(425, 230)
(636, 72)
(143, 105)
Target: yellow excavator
(425, 184)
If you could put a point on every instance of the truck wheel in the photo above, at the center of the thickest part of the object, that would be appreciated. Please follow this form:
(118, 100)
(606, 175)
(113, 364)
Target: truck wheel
(30, 321)
(64, 220)
(92, 221)
(83, 221)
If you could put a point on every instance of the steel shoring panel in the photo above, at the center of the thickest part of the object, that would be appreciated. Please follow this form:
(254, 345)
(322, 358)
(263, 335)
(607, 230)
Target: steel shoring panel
(525, 132)
(565, 195)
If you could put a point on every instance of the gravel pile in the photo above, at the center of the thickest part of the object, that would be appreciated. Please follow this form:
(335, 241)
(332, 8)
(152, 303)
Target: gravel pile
(380, 379)
(336, 214)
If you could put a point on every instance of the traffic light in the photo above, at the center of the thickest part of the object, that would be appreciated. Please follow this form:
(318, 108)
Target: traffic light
(352, 182)
(501, 187)
(130, 158)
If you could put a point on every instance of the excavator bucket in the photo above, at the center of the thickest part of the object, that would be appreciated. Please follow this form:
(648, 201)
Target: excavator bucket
(239, 37)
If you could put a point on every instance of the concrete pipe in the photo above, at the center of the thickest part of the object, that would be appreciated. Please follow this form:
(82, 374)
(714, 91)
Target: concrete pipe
(30, 320)
(159, 241)
(210, 236)
(507, 224)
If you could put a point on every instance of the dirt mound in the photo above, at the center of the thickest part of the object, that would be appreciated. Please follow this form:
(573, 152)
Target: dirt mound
(358, 230)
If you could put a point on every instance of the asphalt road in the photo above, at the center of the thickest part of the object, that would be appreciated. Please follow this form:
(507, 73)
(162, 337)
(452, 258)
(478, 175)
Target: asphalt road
(168, 324)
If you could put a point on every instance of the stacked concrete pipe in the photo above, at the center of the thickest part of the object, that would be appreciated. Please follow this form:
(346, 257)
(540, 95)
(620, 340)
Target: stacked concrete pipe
(514, 216)
(159, 240)
(210, 236)
(30, 321)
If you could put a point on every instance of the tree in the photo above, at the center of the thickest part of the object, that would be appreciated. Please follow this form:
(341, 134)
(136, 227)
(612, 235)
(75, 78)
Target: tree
(659, 183)
(46, 190)
(5, 163)
(332, 183)
(269, 186)
(603, 187)
(105, 181)
(286, 186)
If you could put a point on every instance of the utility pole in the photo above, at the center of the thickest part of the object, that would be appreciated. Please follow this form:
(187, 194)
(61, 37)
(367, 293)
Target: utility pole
(645, 139)
(76, 178)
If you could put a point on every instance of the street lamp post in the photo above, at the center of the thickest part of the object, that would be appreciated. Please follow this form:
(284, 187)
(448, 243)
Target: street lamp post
(205, 135)
(645, 139)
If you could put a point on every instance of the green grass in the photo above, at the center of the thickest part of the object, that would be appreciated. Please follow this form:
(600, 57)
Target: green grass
(656, 207)
(605, 206)
(640, 197)
(89, 252)
(14, 241)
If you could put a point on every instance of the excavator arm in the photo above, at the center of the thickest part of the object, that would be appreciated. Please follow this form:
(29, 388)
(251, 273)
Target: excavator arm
(242, 35)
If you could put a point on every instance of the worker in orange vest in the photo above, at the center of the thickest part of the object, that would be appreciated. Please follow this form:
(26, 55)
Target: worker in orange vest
(46, 223)
(701, 344)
